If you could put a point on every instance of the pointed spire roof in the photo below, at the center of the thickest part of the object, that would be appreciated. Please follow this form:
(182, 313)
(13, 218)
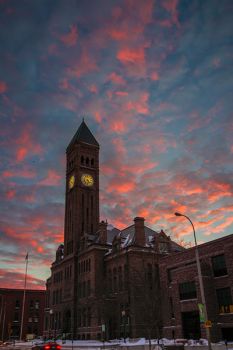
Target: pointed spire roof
(83, 134)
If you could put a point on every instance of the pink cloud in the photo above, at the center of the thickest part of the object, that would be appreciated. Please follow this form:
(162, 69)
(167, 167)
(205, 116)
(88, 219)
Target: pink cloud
(154, 76)
(52, 179)
(93, 88)
(83, 65)
(26, 145)
(71, 38)
(3, 87)
(98, 117)
(116, 78)
(117, 34)
(133, 55)
(27, 173)
(171, 7)
(121, 93)
(6, 278)
(10, 194)
(140, 105)
(119, 126)
(21, 154)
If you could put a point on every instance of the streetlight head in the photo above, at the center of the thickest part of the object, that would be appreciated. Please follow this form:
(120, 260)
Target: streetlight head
(178, 214)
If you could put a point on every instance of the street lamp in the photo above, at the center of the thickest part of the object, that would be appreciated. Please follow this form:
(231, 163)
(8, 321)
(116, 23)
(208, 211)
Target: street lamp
(123, 314)
(199, 278)
(51, 319)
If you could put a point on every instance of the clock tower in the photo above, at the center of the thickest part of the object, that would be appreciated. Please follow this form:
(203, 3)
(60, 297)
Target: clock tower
(82, 189)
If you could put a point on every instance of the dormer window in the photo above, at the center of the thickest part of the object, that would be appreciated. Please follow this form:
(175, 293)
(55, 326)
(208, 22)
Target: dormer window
(163, 247)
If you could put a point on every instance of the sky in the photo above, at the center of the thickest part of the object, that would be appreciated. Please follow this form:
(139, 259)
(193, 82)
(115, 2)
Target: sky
(154, 80)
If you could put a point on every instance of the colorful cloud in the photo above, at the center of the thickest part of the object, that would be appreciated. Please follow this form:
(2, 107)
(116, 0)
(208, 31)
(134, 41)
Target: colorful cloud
(154, 90)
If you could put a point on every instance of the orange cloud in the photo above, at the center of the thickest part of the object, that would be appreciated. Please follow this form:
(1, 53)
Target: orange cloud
(121, 186)
(21, 154)
(71, 38)
(221, 227)
(3, 87)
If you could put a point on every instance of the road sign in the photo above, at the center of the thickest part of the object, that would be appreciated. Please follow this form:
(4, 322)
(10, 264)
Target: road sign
(208, 324)
(201, 313)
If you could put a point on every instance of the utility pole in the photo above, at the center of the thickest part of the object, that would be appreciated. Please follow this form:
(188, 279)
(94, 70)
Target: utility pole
(24, 297)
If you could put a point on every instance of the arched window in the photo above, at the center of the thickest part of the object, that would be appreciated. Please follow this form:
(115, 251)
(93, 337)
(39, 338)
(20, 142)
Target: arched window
(92, 161)
(87, 161)
(82, 160)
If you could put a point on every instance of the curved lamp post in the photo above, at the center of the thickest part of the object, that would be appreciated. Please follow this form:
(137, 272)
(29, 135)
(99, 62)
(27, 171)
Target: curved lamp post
(199, 278)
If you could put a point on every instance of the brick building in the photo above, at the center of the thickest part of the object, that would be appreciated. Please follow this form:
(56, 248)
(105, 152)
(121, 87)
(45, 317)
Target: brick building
(11, 302)
(181, 292)
(107, 283)
(103, 279)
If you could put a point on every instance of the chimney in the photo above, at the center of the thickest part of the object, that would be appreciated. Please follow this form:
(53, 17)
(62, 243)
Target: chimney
(139, 237)
(103, 232)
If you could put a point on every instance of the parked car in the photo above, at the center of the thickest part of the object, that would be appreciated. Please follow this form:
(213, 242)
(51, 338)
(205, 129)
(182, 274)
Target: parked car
(47, 346)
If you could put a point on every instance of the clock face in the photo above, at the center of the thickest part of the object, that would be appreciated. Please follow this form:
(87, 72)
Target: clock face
(71, 182)
(87, 180)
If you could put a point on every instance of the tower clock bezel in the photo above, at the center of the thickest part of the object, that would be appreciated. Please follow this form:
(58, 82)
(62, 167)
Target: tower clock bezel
(87, 180)
(71, 182)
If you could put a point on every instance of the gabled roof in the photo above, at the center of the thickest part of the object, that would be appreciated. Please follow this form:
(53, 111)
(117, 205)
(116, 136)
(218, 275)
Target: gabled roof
(83, 134)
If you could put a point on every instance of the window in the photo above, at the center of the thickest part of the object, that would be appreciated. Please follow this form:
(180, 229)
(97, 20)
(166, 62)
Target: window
(163, 247)
(187, 290)
(37, 304)
(16, 317)
(224, 300)
(219, 265)
(169, 274)
(17, 304)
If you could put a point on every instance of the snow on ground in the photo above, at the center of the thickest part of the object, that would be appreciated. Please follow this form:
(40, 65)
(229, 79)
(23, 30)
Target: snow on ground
(121, 342)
